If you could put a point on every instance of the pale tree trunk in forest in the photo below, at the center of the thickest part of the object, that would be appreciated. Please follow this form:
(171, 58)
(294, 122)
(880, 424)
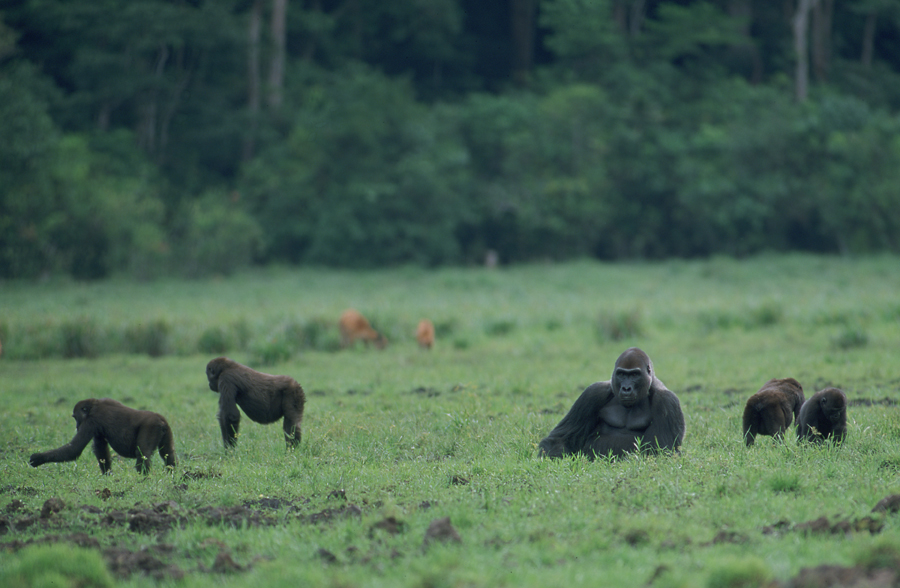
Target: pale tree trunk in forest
(159, 106)
(253, 83)
(868, 42)
(637, 17)
(801, 28)
(522, 23)
(185, 68)
(276, 69)
(629, 15)
(822, 18)
(150, 106)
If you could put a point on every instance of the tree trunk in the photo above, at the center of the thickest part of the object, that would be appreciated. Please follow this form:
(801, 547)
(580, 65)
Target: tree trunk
(620, 15)
(253, 83)
(801, 28)
(868, 42)
(629, 15)
(149, 109)
(822, 18)
(637, 17)
(522, 23)
(276, 69)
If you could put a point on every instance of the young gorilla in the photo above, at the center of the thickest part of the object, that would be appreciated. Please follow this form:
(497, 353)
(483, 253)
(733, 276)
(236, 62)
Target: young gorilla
(772, 409)
(263, 397)
(824, 415)
(632, 411)
(132, 433)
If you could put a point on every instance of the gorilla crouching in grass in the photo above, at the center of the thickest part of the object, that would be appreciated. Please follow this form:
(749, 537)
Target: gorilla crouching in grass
(772, 409)
(632, 412)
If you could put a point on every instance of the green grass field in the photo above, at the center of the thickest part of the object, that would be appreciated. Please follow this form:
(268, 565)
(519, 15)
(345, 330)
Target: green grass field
(395, 439)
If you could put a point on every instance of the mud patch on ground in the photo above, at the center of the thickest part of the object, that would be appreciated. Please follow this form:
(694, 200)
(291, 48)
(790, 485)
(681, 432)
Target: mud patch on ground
(158, 519)
(727, 537)
(888, 504)
(124, 563)
(843, 526)
(441, 531)
(826, 576)
(871, 402)
(428, 392)
(825, 526)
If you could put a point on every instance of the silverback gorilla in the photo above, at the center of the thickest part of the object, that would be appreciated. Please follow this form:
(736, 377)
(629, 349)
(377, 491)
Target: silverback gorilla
(632, 411)
(824, 415)
(132, 433)
(772, 409)
(263, 397)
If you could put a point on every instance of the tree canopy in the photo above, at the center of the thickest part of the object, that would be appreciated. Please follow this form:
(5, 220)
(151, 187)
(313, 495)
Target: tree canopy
(191, 136)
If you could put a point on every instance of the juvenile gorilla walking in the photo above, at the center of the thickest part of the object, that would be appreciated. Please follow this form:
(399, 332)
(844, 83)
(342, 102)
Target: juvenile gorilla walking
(633, 411)
(772, 409)
(132, 433)
(263, 397)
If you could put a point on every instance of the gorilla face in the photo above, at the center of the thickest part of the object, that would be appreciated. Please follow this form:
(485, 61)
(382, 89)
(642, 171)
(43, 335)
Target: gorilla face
(632, 377)
(832, 406)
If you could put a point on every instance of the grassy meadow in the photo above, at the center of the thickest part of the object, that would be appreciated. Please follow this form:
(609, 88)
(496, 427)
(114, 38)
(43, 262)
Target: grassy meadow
(398, 438)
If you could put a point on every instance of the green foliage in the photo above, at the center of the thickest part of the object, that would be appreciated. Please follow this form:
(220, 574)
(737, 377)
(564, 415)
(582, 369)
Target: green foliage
(26, 153)
(747, 572)
(690, 31)
(150, 337)
(616, 326)
(58, 566)
(218, 238)
(79, 337)
(391, 194)
(214, 340)
(851, 337)
(785, 482)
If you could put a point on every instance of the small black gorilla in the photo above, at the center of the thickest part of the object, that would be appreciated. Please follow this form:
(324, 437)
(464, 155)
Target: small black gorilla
(263, 397)
(824, 415)
(772, 409)
(633, 411)
(132, 433)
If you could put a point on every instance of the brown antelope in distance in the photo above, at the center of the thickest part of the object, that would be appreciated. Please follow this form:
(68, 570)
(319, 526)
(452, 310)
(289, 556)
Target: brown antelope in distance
(355, 327)
(425, 334)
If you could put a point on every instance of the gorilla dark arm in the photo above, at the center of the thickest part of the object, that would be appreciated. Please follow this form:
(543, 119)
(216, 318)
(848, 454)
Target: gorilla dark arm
(666, 430)
(68, 452)
(574, 430)
(229, 415)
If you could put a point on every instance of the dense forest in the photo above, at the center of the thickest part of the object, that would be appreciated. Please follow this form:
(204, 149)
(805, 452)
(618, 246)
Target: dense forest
(193, 137)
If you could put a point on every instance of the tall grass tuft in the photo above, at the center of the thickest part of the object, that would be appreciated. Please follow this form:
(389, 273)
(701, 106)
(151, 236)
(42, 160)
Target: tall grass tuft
(59, 566)
(151, 337)
(616, 326)
(764, 315)
(214, 341)
(749, 572)
(79, 338)
(851, 337)
(785, 482)
(500, 327)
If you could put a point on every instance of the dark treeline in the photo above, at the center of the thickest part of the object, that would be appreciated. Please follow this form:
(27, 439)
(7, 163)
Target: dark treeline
(151, 137)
